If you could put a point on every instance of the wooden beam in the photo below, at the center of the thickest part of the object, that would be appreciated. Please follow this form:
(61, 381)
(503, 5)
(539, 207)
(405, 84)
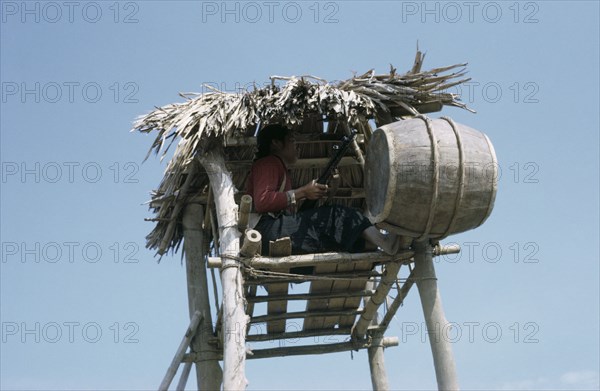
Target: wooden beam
(208, 373)
(316, 259)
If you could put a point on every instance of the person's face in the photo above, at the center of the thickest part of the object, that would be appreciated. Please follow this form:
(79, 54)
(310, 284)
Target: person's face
(286, 149)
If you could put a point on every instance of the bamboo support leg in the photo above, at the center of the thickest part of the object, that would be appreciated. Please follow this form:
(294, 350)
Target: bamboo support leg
(441, 349)
(208, 373)
(187, 368)
(185, 342)
(252, 243)
(245, 207)
(379, 379)
(235, 319)
(389, 276)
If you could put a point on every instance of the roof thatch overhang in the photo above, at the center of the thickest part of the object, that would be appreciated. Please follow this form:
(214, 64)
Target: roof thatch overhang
(305, 103)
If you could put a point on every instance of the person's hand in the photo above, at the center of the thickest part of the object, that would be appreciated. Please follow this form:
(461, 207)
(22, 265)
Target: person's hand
(312, 191)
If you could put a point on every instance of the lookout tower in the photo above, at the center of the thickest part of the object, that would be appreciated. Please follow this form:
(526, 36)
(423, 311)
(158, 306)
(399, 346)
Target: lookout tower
(406, 171)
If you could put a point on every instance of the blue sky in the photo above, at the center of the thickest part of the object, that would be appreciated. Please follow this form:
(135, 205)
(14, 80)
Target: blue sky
(85, 306)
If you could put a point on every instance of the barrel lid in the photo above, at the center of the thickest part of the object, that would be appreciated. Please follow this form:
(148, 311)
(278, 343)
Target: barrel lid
(379, 184)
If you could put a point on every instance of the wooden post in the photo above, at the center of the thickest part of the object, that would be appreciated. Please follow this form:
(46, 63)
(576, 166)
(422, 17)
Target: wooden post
(235, 319)
(441, 349)
(208, 373)
(379, 379)
(376, 360)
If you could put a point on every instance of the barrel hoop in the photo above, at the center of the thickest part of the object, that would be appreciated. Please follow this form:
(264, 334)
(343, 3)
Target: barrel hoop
(436, 176)
(495, 183)
(461, 176)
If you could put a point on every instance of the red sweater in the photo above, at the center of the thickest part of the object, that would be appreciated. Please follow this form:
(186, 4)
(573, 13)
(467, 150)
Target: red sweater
(264, 182)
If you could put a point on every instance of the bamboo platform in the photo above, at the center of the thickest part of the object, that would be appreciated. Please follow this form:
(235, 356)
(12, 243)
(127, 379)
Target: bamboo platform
(332, 303)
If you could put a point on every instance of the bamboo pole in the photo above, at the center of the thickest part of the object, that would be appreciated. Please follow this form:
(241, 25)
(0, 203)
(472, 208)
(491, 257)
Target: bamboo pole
(180, 353)
(385, 284)
(245, 206)
(441, 349)
(184, 376)
(315, 259)
(235, 319)
(379, 380)
(208, 373)
(252, 243)
(354, 145)
(445, 250)
(307, 349)
(397, 301)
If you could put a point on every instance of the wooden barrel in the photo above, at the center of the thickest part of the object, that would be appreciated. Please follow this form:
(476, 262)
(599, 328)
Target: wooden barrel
(429, 178)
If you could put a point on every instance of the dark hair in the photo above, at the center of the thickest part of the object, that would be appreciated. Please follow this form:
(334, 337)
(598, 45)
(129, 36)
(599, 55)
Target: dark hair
(268, 134)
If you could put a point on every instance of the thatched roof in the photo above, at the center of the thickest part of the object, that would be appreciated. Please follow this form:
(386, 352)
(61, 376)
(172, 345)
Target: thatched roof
(211, 119)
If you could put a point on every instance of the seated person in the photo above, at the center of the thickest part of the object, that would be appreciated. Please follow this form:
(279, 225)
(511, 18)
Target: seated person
(322, 229)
